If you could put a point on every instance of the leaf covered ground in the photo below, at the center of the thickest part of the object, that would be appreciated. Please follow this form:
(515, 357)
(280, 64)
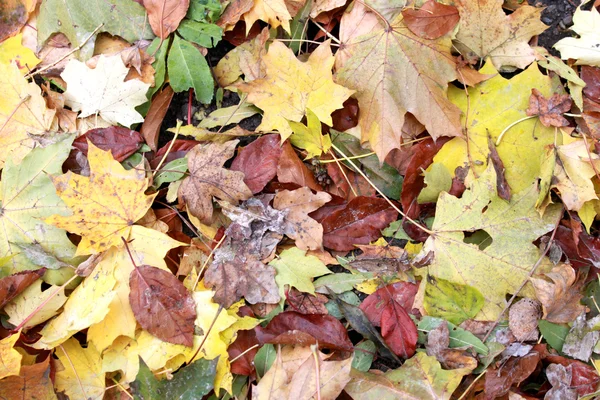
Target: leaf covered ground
(299, 199)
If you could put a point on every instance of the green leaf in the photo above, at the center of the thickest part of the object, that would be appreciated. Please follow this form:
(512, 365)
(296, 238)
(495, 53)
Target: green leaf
(438, 179)
(364, 353)
(264, 358)
(159, 64)
(396, 231)
(188, 69)
(554, 334)
(201, 33)
(28, 198)
(296, 269)
(309, 137)
(171, 172)
(298, 26)
(451, 301)
(458, 336)
(349, 297)
(385, 177)
(189, 383)
(204, 10)
(77, 19)
(228, 115)
(339, 282)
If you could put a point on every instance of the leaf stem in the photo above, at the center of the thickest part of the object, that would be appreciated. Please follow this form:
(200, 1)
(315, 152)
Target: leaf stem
(511, 125)
(242, 353)
(207, 333)
(305, 41)
(412, 221)
(329, 35)
(349, 158)
(467, 390)
(177, 128)
(128, 251)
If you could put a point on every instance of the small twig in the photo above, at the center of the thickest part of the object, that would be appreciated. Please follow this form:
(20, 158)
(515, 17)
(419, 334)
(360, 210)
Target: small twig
(121, 388)
(206, 334)
(344, 173)
(326, 32)
(349, 158)
(511, 125)
(305, 41)
(177, 128)
(314, 349)
(467, 390)
(242, 353)
(47, 67)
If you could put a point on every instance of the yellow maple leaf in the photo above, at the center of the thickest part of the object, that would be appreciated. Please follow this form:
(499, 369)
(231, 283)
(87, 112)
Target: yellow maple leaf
(82, 376)
(274, 12)
(44, 305)
(122, 355)
(105, 205)
(291, 86)
(23, 114)
(10, 358)
(12, 50)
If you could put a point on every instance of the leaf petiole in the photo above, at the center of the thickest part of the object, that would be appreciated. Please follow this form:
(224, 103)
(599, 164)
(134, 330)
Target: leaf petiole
(511, 125)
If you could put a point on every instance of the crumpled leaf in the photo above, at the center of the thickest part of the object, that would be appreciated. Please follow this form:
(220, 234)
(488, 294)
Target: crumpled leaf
(165, 15)
(295, 268)
(438, 340)
(298, 203)
(82, 376)
(393, 72)
(585, 48)
(502, 266)
(33, 383)
(208, 178)
(162, 305)
(560, 298)
(560, 378)
(381, 258)
(499, 380)
(421, 377)
(291, 86)
(488, 32)
(523, 319)
(27, 197)
(120, 141)
(23, 114)
(549, 110)
(581, 339)
(111, 198)
(293, 375)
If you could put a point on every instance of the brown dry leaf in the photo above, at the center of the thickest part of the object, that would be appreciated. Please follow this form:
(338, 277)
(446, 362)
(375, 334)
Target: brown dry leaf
(33, 383)
(486, 31)
(156, 114)
(560, 298)
(193, 257)
(306, 303)
(523, 319)
(234, 12)
(438, 340)
(432, 20)
(549, 110)
(162, 305)
(165, 15)
(208, 178)
(381, 259)
(291, 169)
(298, 203)
(394, 72)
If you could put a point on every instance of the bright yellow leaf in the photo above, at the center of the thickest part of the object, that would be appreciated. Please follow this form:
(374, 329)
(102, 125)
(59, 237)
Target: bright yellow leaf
(12, 50)
(291, 86)
(30, 301)
(274, 12)
(82, 376)
(123, 355)
(105, 205)
(10, 358)
(309, 137)
(23, 114)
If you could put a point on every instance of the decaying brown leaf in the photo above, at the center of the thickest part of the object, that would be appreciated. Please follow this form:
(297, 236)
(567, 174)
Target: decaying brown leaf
(549, 110)
(165, 15)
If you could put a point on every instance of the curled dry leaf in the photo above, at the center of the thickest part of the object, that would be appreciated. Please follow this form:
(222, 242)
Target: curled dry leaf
(549, 110)
(438, 340)
(432, 20)
(208, 178)
(291, 169)
(307, 232)
(162, 305)
(165, 15)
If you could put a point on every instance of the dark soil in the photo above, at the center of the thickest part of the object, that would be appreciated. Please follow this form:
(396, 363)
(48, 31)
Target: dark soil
(559, 16)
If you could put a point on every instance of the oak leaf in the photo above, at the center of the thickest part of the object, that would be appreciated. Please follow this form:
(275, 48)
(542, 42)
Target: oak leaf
(394, 72)
(488, 32)
(298, 203)
(549, 110)
(104, 205)
(103, 91)
(291, 86)
(208, 178)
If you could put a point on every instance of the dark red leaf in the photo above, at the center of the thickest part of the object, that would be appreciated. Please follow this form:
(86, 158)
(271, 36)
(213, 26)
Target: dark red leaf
(155, 116)
(347, 117)
(432, 20)
(179, 150)
(121, 142)
(591, 77)
(243, 365)
(340, 186)
(292, 170)
(580, 248)
(499, 380)
(291, 327)
(12, 285)
(387, 308)
(258, 161)
(584, 379)
(162, 305)
(359, 222)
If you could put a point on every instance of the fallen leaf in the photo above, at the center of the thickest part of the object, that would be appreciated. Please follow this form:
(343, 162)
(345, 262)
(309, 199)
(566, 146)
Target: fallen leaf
(9, 356)
(560, 378)
(246, 59)
(582, 49)
(102, 91)
(359, 222)
(417, 84)
(188, 69)
(295, 268)
(585, 378)
(291, 169)
(82, 376)
(297, 204)
(549, 110)
(273, 12)
(111, 198)
(14, 15)
(487, 31)
(451, 301)
(208, 178)
(499, 380)
(33, 383)
(387, 308)
(150, 129)
(523, 319)
(258, 161)
(11, 286)
(438, 340)
(165, 15)
(381, 259)
(11, 50)
(291, 86)
(305, 303)
(309, 137)
(581, 339)
(560, 298)
(433, 20)
(162, 305)
(121, 142)
(35, 305)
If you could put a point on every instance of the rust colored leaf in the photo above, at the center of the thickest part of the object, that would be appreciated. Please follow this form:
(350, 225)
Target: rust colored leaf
(591, 77)
(291, 327)
(234, 12)
(12, 285)
(179, 150)
(306, 303)
(359, 222)
(258, 161)
(347, 117)
(165, 15)
(549, 110)
(499, 380)
(33, 383)
(387, 308)
(292, 170)
(156, 114)
(340, 185)
(584, 379)
(162, 305)
(432, 20)
(14, 14)
(244, 364)
(121, 142)
(501, 183)
(580, 248)
(307, 232)
(208, 178)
